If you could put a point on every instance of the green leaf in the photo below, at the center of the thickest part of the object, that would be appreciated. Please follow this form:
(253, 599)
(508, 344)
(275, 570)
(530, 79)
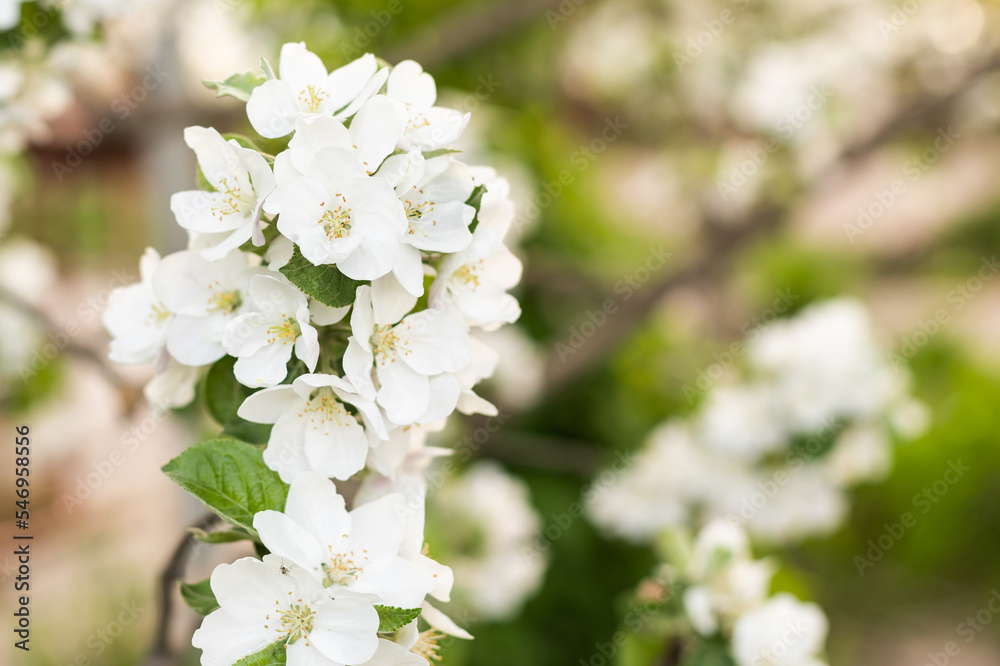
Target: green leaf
(224, 395)
(238, 85)
(230, 477)
(431, 154)
(272, 655)
(709, 654)
(324, 283)
(267, 69)
(221, 536)
(199, 597)
(392, 619)
(476, 200)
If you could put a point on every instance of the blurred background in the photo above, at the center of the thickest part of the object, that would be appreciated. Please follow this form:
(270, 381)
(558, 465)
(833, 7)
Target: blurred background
(677, 167)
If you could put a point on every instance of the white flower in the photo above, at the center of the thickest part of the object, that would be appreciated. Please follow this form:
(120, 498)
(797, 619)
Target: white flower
(10, 14)
(356, 550)
(496, 576)
(326, 202)
(433, 192)
(863, 452)
(727, 582)
(473, 283)
(240, 178)
(410, 355)
(173, 386)
(740, 421)
(824, 364)
(483, 363)
(135, 317)
(808, 503)
(782, 632)
(264, 602)
(647, 494)
(305, 90)
(430, 127)
(262, 341)
(313, 429)
(204, 297)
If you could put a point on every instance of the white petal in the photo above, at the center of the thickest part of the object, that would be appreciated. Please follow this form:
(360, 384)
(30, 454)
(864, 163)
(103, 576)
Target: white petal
(390, 301)
(410, 84)
(271, 108)
(404, 393)
(268, 405)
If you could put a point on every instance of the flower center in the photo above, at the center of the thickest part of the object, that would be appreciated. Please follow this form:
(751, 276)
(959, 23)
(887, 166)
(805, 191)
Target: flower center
(469, 273)
(427, 645)
(385, 343)
(415, 123)
(342, 569)
(234, 200)
(414, 211)
(284, 332)
(312, 98)
(326, 407)
(296, 621)
(336, 221)
(223, 301)
(158, 314)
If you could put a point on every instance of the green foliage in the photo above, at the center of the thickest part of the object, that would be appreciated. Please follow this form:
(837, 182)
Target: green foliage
(476, 201)
(238, 85)
(392, 619)
(709, 653)
(224, 395)
(199, 596)
(230, 477)
(272, 655)
(324, 283)
(221, 536)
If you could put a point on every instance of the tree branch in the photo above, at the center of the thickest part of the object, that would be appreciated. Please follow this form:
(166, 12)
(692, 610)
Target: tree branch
(160, 653)
(756, 224)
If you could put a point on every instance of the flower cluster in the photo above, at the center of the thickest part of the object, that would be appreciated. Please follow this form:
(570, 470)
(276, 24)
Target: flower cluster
(337, 283)
(488, 526)
(720, 591)
(775, 453)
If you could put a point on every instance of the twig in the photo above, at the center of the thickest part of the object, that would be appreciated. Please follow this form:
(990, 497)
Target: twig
(160, 652)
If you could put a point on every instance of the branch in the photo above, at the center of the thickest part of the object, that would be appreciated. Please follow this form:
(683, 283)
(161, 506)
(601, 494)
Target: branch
(86, 354)
(160, 653)
(467, 28)
(756, 224)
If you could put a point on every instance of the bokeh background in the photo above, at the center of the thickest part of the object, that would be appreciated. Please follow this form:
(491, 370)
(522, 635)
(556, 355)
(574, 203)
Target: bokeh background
(823, 149)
